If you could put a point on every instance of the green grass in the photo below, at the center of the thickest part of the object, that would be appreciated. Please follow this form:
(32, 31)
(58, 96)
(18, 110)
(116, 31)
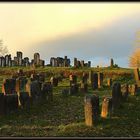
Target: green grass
(64, 116)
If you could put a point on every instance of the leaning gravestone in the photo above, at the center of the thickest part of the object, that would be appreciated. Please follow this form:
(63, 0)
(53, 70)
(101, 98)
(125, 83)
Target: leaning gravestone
(116, 95)
(91, 110)
(106, 107)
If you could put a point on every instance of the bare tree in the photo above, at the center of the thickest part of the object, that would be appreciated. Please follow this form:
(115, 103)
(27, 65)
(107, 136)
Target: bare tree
(3, 48)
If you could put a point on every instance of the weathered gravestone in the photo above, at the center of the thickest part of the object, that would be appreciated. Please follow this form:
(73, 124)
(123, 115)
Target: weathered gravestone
(83, 87)
(90, 78)
(106, 107)
(24, 99)
(10, 103)
(20, 86)
(91, 110)
(74, 79)
(20, 72)
(34, 77)
(35, 91)
(116, 95)
(124, 90)
(100, 80)
(28, 87)
(47, 91)
(54, 81)
(84, 78)
(41, 77)
(74, 89)
(8, 86)
(111, 62)
(132, 89)
(2, 109)
(137, 76)
(109, 82)
(95, 81)
(65, 92)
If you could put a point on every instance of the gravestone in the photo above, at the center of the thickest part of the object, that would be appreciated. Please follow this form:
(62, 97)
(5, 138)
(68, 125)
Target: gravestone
(19, 58)
(90, 77)
(6, 86)
(54, 81)
(74, 89)
(24, 99)
(11, 103)
(116, 95)
(47, 91)
(111, 62)
(100, 80)
(106, 107)
(124, 90)
(2, 105)
(36, 58)
(65, 92)
(2, 61)
(73, 79)
(84, 78)
(20, 72)
(89, 63)
(95, 81)
(35, 91)
(91, 110)
(28, 87)
(75, 62)
(132, 89)
(109, 82)
(83, 87)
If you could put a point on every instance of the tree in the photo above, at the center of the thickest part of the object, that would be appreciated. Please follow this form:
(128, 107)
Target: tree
(3, 48)
(134, 59)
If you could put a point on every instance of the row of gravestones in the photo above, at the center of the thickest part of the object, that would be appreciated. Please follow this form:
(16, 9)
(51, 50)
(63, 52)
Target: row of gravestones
(95, 80)
(109, 104)
(22, 92)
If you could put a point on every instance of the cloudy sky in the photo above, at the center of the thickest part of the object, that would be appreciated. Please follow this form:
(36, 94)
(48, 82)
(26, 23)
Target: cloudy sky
(90, 31)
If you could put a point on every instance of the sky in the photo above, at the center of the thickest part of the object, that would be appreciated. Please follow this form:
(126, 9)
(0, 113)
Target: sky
(89, 31)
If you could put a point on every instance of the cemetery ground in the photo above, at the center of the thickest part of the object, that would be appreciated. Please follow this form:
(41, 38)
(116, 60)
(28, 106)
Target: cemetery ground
(64, 116)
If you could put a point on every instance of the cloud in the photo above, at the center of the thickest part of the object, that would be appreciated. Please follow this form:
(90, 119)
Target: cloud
(114, 40)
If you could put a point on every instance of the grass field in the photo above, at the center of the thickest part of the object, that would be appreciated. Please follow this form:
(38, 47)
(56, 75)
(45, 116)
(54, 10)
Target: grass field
(64, 117)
